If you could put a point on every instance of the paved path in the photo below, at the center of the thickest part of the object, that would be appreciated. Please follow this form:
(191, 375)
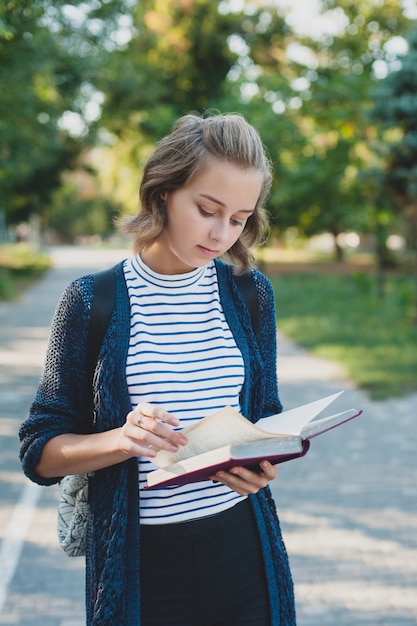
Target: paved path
(348, 509)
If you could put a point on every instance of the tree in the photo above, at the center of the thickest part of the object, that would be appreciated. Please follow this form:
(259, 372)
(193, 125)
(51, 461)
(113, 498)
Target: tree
(192, 56)
(318, 195)
(335, 83)
(176, 61)
(72, 215)
(48, 60)
(395, 107)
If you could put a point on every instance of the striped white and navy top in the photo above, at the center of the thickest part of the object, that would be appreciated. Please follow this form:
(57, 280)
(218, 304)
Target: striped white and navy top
(182, 355)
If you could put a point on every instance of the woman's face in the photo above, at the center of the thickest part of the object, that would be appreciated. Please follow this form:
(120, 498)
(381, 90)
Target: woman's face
(205, 217)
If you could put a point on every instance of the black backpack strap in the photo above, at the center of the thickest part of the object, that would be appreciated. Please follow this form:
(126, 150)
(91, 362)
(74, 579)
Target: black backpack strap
(104, 292)
(247, 287)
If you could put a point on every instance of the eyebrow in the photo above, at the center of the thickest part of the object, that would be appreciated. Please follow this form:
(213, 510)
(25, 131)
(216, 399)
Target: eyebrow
(220, 203)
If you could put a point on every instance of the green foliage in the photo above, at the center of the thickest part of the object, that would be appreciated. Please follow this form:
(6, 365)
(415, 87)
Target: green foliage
(19, 265)
(322, 189)
(144, 63)
(31, 151)
(6, 285)
(71, 216)
(342, 319)
(317, 194)
(47, 64)
(177, 61)
(395, 106)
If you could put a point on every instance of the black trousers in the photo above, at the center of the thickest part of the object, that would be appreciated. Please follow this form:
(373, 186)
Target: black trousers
(206, 572)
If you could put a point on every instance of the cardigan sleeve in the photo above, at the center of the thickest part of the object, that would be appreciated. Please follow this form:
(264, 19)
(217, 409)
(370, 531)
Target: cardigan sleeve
(63, 400)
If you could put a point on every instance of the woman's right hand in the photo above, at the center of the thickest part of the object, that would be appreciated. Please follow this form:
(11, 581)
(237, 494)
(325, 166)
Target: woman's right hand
(149, 428)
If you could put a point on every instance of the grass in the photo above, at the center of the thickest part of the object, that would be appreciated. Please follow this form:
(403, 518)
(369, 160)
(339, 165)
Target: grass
(20, 265)
(339, 316)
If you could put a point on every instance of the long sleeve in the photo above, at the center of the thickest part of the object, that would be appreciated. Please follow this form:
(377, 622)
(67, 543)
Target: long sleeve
(63, 400)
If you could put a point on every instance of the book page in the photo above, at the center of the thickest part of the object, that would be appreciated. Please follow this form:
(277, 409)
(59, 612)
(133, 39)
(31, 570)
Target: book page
(292, 421)
(227, 426)
(317, 427)
(214, 431)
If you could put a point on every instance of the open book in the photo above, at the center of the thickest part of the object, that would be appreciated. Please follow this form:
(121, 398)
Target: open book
(226, 439)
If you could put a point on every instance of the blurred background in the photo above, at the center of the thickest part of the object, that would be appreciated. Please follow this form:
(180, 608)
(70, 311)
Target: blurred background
(88, 87)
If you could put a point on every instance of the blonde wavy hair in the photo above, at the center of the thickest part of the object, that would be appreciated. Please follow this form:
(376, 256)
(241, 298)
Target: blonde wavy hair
(181, 155)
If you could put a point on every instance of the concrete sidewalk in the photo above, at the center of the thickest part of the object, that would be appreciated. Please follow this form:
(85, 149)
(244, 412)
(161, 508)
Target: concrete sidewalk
(348, 509)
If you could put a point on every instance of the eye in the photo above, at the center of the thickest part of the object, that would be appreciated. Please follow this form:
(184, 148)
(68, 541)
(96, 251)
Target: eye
(236, 222)
(204, 213)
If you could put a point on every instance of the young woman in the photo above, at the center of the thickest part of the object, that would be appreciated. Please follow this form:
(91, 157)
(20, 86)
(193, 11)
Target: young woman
(179, 346)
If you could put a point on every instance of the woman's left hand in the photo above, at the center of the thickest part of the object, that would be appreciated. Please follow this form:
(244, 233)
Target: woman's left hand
(245, 481)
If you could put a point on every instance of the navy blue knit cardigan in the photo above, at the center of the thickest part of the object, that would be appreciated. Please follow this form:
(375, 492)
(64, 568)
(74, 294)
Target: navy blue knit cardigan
(63, 404)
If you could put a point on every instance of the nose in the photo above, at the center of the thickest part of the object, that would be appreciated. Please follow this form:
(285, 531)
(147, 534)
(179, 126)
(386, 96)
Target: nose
(219, 231)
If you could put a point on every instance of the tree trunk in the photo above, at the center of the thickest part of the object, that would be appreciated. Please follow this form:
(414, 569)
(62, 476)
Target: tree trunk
(381, 260)
(338, 250)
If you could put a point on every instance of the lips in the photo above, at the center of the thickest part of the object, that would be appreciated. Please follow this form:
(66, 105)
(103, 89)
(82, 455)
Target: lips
(208, 251)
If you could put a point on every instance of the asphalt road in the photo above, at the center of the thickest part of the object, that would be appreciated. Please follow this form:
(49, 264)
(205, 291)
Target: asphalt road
(348, 509)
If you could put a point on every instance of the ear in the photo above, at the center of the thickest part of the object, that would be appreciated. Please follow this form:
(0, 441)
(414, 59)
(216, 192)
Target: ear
(164, 196)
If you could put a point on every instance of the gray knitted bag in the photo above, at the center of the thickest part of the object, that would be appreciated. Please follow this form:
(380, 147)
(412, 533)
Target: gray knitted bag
(73, 514)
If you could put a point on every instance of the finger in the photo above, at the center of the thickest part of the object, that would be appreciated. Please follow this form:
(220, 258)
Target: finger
(245, 481)
(236, 480)
(161, 430)
(156, 412)
(267, 473)
(145, 419)
(270, 471)
(156, 420)
(143, 442)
